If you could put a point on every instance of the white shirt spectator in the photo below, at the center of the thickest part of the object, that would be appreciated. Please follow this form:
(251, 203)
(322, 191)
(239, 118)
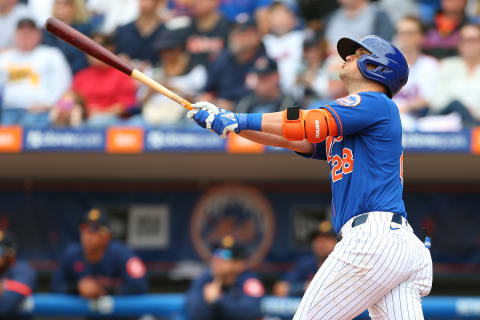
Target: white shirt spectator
(456, 82)
(39, 77)
(8, 25)
(115, 12)
(399, 9)
(161, 110)
(41, 10)
(422, 80)
(287, 51)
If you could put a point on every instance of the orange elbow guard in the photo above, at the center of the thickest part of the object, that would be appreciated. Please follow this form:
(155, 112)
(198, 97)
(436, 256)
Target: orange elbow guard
(293, 125)
(319, 124)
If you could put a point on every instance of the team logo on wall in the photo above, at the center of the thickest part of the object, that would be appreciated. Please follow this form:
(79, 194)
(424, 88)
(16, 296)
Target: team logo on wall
(237, 211)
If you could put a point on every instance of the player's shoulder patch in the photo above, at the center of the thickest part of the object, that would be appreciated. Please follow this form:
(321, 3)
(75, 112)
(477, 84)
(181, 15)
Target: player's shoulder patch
(135, 268)
(352, 100)
(253, 288)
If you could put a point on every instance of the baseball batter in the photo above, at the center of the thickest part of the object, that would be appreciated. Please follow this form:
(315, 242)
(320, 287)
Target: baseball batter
(378, 263)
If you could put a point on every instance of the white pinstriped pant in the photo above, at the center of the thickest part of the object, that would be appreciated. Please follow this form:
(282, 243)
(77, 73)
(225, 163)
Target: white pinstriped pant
(379, 265)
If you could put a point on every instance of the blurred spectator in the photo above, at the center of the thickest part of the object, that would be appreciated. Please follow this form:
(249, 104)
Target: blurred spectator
(357, 19)
(459, 79)
(107, 92)
(135, 40)
(414, 97)
(17, 278)
(69, 111)
(114, 13)
(318, 78)
(35, 77)
(180, 7)
(443, 36)
(226, 76)
(10, 13)
(284, 43)
(99, 266)
(254, 8)
(314, 11)
(209, 31)
(295, 282)
(41, 10)
(227, 290)
(267, 95)
(73, 13)
(396, 10)
(178, 72)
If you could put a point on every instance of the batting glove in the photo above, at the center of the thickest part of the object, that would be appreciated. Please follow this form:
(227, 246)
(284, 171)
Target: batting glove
(203, 113)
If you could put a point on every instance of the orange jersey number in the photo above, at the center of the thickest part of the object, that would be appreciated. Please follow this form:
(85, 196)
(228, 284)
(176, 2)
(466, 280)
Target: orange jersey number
(343, 165)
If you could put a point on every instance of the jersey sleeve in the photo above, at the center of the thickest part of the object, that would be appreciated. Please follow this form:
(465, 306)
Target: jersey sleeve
(133, 274)
(197, 307)
(18, 286)
(357, 112)
(245, 305)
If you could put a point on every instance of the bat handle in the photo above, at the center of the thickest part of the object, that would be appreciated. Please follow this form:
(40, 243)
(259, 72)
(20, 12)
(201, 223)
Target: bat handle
(149, 82)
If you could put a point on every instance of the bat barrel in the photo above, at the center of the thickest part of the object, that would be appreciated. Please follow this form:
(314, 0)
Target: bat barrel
(87, 45)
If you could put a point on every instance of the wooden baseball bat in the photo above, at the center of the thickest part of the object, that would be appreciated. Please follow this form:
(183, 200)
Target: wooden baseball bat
(87, 45)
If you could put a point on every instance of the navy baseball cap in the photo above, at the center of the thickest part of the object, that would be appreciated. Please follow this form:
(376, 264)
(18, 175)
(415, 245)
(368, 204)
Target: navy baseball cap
(96, 218)
(264, 65)
(325, 229)
(229, 249)
(244, 21)
(8, 243)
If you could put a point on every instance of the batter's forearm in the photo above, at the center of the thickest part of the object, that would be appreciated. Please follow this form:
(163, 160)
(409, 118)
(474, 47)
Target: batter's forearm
(272, 123)
(277, 141)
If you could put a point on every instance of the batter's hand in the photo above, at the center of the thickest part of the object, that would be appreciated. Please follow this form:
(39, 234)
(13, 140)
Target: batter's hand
(203, 113)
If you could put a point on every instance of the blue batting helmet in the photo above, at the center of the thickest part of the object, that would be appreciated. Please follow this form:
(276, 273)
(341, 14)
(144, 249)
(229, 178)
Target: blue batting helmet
(391, 68)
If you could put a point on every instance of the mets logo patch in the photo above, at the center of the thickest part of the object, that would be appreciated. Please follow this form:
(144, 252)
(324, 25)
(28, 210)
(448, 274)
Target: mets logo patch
(352, 100)
(233, 210)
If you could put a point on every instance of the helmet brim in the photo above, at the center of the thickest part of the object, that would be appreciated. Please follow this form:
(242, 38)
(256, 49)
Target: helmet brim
(347, 47)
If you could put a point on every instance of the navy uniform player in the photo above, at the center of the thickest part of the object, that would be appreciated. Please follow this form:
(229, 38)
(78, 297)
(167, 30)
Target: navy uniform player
(379, 264)
(17, 278)
(98, 266)
(295, 282)
(227, 290)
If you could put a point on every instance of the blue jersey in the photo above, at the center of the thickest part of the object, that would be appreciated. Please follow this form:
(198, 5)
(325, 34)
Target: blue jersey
(17, 284)
(366, 158)
(119, 271)
(301, 274)
(239, 301)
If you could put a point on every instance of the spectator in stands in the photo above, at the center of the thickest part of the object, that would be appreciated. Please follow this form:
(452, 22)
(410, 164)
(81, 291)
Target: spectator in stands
(226, 83)
(34, 77)
(113, 13)
(396, 10)
(284, 42)
(267, 95)
(357, 19)
(227, 290)
(209, 31)
(73, 13)
(255, 8)
(10, 13)
(295, 282)
(107, 92)
(99, 266)
(69, 111)
(177, 72)
(414, 97)
(312, 77)
(443, 36)
(17, 278)
(40, 9)
(135, 40)
(459, 79)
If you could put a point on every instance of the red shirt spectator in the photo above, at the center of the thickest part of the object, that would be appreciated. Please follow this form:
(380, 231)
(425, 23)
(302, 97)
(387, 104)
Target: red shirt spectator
(103, 87)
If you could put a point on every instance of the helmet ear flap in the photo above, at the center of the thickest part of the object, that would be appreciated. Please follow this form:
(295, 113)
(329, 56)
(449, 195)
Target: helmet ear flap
(375, 70)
